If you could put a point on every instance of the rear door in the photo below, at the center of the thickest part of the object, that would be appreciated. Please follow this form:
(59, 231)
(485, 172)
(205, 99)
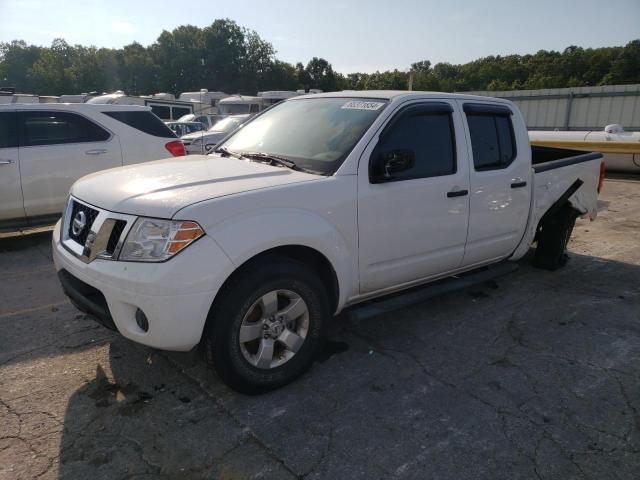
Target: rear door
(56, 149)
(11, 208)
(412, 223)
(500, 182)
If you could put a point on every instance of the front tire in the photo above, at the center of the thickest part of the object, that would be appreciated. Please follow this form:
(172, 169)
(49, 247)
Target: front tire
(267, 325)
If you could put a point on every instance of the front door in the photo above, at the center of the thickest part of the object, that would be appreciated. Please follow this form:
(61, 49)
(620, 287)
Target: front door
(413, 202)
(56, 149)
(11, 208)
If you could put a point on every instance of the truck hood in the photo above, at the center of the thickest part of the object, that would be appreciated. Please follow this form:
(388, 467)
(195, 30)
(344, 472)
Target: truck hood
(161, 188)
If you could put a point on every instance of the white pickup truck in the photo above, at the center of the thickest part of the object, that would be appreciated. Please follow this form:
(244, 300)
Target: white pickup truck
(314, 205)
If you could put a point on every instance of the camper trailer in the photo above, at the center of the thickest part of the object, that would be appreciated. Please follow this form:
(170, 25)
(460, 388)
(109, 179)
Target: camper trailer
(204, 101)
(164, 105)
(275, 96)
(240, 104)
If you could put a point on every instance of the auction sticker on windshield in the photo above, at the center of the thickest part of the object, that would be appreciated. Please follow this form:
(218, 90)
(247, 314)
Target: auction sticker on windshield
(360, 105)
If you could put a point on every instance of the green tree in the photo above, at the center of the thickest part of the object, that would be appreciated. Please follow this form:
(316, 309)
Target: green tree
(257, 64)
(16, 61)
(138, 72)
(390, 80)
(320, 75)
(52, 74)
(626, 67)
(180, 54)
(225, 56)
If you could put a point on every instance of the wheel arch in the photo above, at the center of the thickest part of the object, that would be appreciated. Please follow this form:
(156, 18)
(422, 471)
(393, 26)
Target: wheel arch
(304, 254)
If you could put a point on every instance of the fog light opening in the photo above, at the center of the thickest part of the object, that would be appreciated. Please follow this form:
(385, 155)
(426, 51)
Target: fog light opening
(141, 320)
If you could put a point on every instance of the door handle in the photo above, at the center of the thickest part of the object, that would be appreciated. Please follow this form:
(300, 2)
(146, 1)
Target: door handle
(457, 193)
(5, 162)
(97, 151)
(518, 183)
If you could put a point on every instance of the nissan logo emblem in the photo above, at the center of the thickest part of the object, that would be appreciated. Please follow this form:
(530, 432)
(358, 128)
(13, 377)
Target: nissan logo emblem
(79, 222)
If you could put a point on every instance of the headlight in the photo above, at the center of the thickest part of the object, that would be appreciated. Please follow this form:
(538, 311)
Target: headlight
(156, 240)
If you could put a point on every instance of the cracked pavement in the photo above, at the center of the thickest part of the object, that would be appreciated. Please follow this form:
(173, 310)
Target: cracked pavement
(534, 375)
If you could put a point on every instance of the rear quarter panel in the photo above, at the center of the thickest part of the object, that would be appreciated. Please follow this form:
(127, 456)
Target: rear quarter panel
(550, 185)
(137, 146)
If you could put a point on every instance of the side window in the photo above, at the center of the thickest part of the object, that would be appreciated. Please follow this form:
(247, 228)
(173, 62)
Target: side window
(180, 112)
(143, 121)
(55, 128)
(8, 134)
(425, 136)
(163, 112)
(492, 140)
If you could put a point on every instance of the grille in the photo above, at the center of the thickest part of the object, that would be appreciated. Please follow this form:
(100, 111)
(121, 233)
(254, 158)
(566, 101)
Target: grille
(118, 228)
(90, 216)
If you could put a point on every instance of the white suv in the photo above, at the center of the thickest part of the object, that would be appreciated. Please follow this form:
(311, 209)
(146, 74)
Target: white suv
(45, 148)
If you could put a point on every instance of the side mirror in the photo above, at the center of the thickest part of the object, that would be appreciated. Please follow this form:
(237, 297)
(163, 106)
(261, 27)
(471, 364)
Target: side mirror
(391, 162)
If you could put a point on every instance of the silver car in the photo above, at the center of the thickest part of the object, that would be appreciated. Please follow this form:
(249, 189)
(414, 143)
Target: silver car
(203, 142)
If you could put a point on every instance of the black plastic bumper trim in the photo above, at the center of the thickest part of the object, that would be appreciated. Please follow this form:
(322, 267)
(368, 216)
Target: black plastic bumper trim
(87, 299)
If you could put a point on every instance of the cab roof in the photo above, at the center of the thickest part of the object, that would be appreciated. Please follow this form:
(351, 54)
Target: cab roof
(400, 94)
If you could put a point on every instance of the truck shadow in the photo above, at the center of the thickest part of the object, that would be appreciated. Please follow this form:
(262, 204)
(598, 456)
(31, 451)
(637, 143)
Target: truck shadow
(487, 376)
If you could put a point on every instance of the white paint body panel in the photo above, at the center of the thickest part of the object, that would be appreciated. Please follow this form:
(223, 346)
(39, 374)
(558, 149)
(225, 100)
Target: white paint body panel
(499, 213)
(161, 188)
(410, 229)
(48, 171)
(11, 204)
(377, 238)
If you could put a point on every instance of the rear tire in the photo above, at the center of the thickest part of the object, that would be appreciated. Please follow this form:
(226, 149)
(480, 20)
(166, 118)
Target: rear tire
(255, 302)
(551, 252)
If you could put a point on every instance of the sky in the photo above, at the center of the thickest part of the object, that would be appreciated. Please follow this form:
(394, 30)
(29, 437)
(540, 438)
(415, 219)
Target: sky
(356, 35)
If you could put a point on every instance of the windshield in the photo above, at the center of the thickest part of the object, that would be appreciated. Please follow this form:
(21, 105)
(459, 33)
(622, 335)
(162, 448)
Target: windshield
(316, 133)
(226, 125)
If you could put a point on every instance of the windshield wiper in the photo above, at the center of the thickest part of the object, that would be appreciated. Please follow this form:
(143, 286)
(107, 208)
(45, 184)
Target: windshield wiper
(226, 151)
(272, 159)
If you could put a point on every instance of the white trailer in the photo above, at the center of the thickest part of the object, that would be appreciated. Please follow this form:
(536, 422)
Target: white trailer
(621, 149)
(164, 105)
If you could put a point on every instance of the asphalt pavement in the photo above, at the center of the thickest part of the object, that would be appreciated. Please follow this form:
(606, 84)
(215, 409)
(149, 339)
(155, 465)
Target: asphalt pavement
(530, 375)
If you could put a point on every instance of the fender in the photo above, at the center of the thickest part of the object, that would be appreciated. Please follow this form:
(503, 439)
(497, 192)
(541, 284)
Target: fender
(245, 236)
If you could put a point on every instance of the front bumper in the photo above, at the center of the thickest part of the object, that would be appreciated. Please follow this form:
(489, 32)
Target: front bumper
(175, 295)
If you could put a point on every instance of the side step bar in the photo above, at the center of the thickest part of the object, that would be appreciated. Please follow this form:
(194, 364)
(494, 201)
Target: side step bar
(418, 295)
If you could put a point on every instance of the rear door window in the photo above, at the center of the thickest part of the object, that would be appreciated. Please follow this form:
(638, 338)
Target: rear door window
(492, 139)
(55, 128)
(143, 121)
(8, 131)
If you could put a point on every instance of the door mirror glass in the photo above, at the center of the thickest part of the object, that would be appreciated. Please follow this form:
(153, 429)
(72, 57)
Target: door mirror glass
(394, 161)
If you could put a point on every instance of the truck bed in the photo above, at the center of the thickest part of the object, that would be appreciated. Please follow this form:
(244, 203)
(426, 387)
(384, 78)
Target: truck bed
(561, 175)
(549, 158)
